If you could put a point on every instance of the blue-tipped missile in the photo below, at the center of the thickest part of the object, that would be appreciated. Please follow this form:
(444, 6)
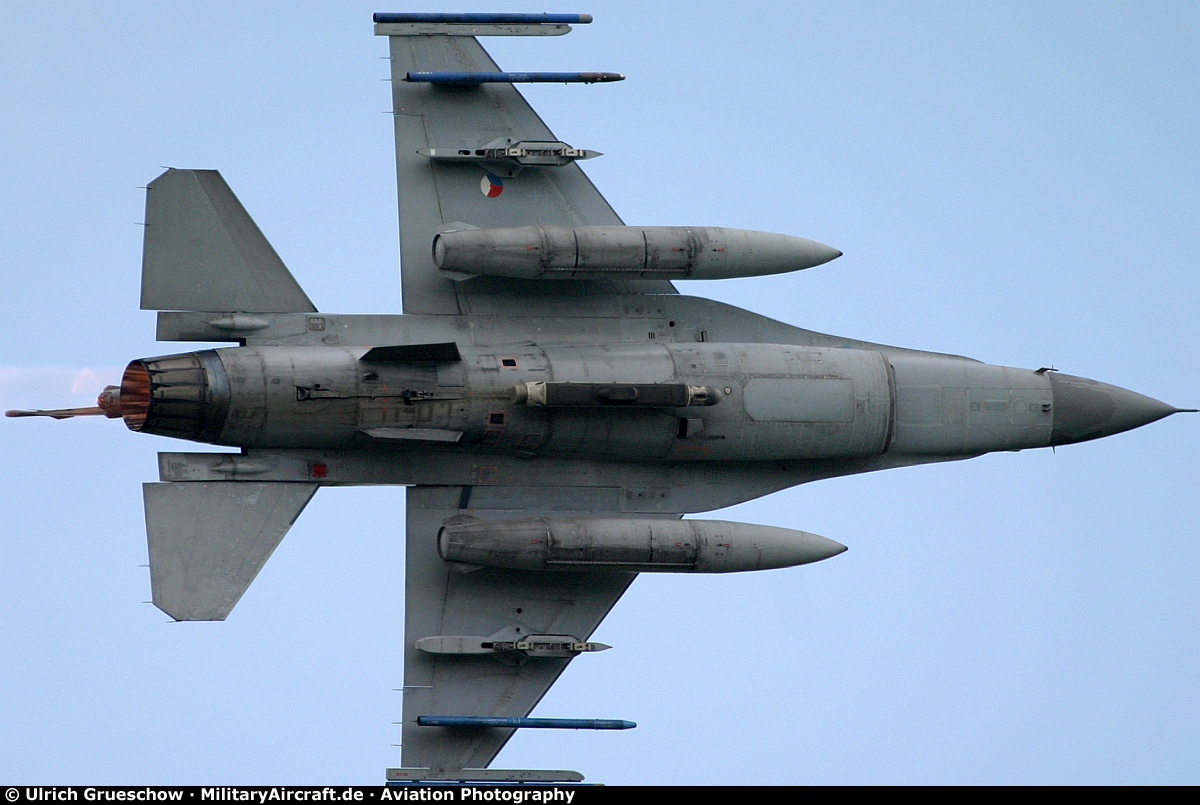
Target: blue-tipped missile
(526, 723)
(482, 18)
(467, 79)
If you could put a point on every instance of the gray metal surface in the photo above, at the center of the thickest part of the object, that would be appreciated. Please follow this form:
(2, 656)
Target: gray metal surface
(433, 193)
(208, 541)
(1087, 409)
(484, 775)
(595, 544)
(655, 252)
(203, 251)
(493, 603)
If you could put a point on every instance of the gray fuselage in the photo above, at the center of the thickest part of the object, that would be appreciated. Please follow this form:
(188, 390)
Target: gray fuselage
(776, 402)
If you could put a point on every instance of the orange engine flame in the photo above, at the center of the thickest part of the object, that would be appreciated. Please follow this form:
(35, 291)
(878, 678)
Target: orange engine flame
(133, 399)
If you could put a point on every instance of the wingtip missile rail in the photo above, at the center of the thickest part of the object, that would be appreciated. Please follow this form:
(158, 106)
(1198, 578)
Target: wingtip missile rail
(480, 18)
(421, 776)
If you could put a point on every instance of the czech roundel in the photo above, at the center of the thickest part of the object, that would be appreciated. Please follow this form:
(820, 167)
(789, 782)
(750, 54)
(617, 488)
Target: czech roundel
(491, 185)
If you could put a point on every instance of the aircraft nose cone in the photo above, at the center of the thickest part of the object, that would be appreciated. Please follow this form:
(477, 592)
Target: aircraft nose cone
(1086, 409)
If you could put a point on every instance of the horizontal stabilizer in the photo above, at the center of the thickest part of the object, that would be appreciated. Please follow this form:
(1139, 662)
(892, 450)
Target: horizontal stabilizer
(209, 539)
(203, 251)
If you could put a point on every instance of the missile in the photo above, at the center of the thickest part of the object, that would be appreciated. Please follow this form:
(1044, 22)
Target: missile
(668, 546)
(527, 723)
(629, 252)
(528, 647)
(470, 79)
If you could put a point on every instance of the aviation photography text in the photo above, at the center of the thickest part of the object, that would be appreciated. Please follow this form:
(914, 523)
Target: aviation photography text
(263, 794)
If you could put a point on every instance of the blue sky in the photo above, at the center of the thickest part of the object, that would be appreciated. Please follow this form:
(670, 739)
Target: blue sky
(1015, 182)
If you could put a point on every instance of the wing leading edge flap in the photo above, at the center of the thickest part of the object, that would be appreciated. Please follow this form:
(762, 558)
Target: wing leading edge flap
(440, 601)
(209, 539)
(203, 251)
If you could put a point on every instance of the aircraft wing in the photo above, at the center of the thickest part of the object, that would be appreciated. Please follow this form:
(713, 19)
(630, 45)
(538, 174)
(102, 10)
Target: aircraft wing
(452, 173)
(443, 183)
(444, 604)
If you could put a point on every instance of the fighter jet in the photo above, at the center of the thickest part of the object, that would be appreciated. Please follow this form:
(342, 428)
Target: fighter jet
(550, 402)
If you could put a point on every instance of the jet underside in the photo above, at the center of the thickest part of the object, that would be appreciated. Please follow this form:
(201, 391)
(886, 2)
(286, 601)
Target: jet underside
(553, 405)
